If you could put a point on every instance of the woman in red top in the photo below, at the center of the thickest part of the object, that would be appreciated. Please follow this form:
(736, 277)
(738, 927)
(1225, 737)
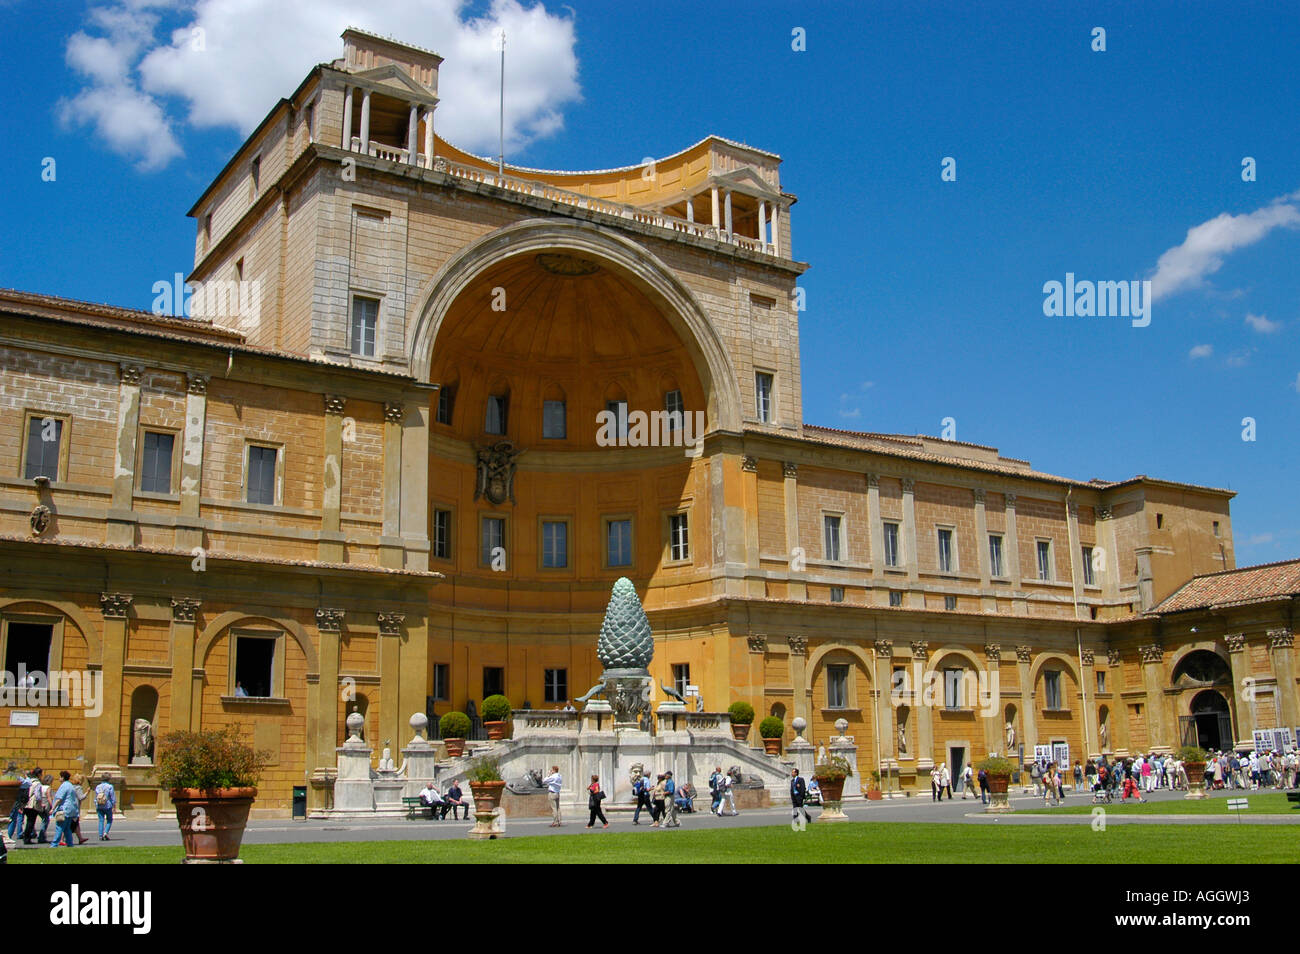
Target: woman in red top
(594, 797)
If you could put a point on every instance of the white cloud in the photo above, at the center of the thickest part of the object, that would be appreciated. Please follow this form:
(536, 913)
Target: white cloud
(1240, 358)
(1261, 324)
(1201, 351)
(1185, 266)
(250, 53)
(1297, 382)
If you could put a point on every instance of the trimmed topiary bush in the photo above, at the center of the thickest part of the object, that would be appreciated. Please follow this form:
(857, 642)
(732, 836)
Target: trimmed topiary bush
(996, 765)
(454, 725)
(742, 713)
(496, 709)
(771, 728)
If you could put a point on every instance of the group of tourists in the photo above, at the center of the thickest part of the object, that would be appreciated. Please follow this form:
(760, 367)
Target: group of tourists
(38, 802)
(1254, 771)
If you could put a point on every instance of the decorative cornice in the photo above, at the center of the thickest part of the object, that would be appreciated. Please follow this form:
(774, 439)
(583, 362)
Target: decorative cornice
(994, 652)
(757, 644)
(1024, 654)
(885, 647)
(1280, 639)
(873, 480)
(1112, 657)
(115, 605)
(979, 495)
(909, 484)
(1153, 653)
(1010, 500)
(749, 464)
(197, 383)
(184, 609)
(132, 374)
(1087, 657)
(920, 649)
(789, 469)
(334, 403)
(393, 411)
(390, 624)
(330, 620)
(1103, 513)
(1236, 642)
(798, 645)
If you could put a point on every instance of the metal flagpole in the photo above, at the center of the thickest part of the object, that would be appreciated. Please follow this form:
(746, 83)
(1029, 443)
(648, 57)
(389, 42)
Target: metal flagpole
(501, 156)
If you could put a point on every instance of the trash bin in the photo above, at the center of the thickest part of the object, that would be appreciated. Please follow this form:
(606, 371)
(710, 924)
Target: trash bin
(300, 802)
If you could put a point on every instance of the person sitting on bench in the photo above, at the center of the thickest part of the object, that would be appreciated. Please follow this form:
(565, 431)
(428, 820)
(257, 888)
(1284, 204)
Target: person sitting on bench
(453, 800)
(434, 800)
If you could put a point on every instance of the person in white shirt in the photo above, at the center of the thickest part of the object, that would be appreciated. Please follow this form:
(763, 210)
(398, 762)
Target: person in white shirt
(433, 798)
(725, 784)
(554, 782)
(967, 777)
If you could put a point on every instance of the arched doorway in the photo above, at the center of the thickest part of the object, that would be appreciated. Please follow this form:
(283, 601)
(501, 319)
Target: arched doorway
(1210, 723)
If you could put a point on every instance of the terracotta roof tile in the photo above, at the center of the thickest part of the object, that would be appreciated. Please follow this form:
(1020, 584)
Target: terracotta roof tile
(1245, 585)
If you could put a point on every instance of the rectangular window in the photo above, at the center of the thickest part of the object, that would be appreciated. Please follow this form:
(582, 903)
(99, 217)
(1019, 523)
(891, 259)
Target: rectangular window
(27, 650)
(446, 404)
(1216, 528)
(555, 544)
(831, 537)
(995, 555)
(837, 687)
(494, 681)
(494, 418)
(1089, 578)
(1052, 688)
(619, 410)
(895, 597)
(441, 682)
(950, 602)
(1101, 680)
(442, 534)
(254, 666)
(945, 551)
(763, 396)
(891, 544)
(493, 539)
(679, 537)
(1044, 559)
(156, 469)
(554, 425)
(261, 474)
(365, 323)
(44, 437)
(675, 408)
(618, 543)
(837, 594)
(556, 685)
(953, 696)
(681, 677)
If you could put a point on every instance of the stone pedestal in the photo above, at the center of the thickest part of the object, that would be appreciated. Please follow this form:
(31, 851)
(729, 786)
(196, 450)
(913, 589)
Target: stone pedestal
(803, 755)
(419, 759)
(387, 790)
(353, 790)
(597, 716)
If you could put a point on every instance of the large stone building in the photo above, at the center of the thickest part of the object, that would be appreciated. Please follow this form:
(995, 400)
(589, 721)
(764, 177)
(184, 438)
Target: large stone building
(374, 469)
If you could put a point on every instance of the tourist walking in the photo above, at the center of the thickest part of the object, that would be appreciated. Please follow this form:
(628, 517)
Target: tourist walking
(727, 785)
(641, 789)
(967, 781)
(798, 792)
(553, 782)
(670, 801)
(715, 788)
(66, 809)
(935, 792)
(105, 802)
(16, 817)
(984, 786)
(79, 786)
(657, 801)
(594, 797)
(945, 781)
(35, 802)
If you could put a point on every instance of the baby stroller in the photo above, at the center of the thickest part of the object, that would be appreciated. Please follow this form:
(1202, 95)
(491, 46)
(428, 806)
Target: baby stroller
(1100, 794)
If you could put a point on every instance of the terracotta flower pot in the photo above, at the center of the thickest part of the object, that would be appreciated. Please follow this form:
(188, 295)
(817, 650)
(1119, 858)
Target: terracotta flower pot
(832, 789)
(487, 795)
(998, 784)
(740, 731)
(772, 746)
(495, 730)
(455, 747)
(212, 821)
(1195, 779)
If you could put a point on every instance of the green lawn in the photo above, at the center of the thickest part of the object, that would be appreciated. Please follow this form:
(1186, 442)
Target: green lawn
(853, 842)
(1267, 803)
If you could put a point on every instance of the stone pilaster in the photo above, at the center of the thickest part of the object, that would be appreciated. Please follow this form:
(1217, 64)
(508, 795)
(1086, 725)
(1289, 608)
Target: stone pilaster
(924, 713)
(329, 627)
(883, 679)
(390, 541)
(184, 617)
(121, 519)
(1242, 707)
(1152, 657)
(798, 646)
(1281, 648)
(1076, 555)
(914, 597)
(189, 529)
(1019, 604)
(790, 488)
(414, 517)
(1109, 578)
(115, 609)
(330, 547)
(876, 530)
(1028, 715)
(755, 586)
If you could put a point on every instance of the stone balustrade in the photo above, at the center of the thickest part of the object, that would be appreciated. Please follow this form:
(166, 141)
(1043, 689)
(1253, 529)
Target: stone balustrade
(531, 722)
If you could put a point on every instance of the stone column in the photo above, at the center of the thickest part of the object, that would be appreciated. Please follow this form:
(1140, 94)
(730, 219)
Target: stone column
(876, 532)
(995, 739)
(330, 547)
(1280, 647)
(329, 627)
(1242, 708)
(184, 613)
(790, 485)
(716, 218)
(189, 529)
(390, 540)
(391, 681)
(776, 230)
(799, 675)
(429, 143)
(762, 223)
(412, 131)
(1028, 718)
(115, 608)
(1152, 681)
(414, 517)
(365, 122)
(914, 597)
(121, 520)
(347, 119)
(924, 713)
(690, 209)
(727, 202)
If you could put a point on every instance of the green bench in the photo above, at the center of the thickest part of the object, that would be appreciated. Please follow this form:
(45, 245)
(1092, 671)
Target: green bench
(415, 806)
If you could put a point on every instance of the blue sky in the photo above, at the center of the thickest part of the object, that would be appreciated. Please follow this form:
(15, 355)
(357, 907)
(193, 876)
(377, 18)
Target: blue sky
(1067, 159)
